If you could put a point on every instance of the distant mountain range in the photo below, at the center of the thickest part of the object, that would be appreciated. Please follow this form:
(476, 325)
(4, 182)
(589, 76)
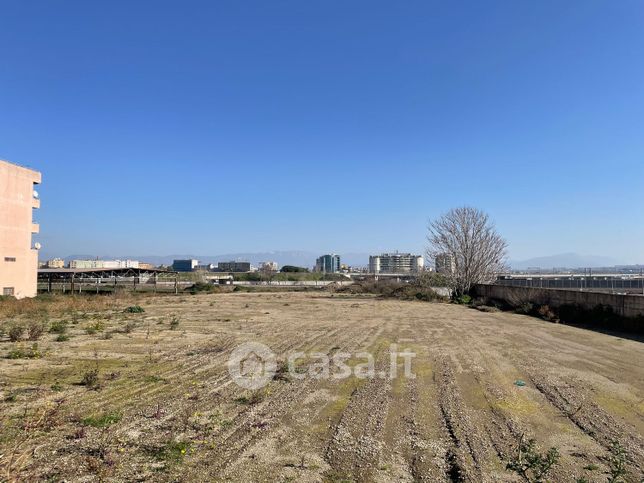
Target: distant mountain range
(564, 260)
(293, 257)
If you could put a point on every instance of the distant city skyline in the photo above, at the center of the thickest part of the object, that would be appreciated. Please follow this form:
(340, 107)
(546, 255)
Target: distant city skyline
(309, 259)
(212, 127)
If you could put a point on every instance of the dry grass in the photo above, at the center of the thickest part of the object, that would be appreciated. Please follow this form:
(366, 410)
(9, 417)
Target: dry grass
(154, 401)
(59, 304)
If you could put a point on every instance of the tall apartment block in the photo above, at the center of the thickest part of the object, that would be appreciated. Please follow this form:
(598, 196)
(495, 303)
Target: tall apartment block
(18, 257)
(396, 263)
(328, 264)
(444, 263)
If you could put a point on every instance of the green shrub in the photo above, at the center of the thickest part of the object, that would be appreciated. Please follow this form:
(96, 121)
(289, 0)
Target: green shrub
(531, 465)
(526, 308)
(617, 463)
(97, 326)
(201, 287)
(58, 327)
(172, 452)
(25, 352)
(134, 309)
(393, 289)
(463, 299)
(62, 338)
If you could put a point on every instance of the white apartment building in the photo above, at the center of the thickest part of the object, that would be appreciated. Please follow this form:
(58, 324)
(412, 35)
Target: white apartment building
(396, 263)
(92, 264)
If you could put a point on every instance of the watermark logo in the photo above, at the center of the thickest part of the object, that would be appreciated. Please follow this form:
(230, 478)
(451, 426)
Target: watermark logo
(253, 365)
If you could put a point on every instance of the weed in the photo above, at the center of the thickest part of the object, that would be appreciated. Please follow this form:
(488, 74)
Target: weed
(226, 423)
(16, 332)
(545, 312)
(62, 338)
(134, 309)
(282, 372)
(174, 323)
(256, 397)
(525, 308)
(90, 379)
(58, 327)
(25, 353)
(532, 465)
(172, 452)
(35, 330)
(104, 420)
(617, 463)
(153, 379)
(129, 327)
(56, 387)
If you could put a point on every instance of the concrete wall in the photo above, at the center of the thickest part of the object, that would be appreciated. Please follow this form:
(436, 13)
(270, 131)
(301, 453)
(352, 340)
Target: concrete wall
(16, 227)
(624, 305)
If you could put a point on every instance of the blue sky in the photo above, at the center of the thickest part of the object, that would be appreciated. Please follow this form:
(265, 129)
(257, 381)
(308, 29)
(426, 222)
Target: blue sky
(213, 127)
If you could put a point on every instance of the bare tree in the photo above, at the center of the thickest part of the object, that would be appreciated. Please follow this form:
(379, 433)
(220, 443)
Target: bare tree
(467, 242)
(267, 272)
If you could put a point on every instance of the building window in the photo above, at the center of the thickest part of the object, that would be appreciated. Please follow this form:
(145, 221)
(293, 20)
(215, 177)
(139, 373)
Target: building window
(8, 291)
(9, 259)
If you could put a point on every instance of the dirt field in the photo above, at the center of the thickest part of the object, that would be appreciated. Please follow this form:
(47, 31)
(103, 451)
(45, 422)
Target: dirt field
(163, 406)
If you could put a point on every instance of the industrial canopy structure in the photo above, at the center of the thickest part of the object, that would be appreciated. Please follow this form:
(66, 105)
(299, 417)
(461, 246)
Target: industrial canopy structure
(118, 277)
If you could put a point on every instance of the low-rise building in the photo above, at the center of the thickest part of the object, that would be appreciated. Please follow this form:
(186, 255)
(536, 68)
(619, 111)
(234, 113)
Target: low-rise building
(184, 265)
(396, 263)
(55, 263)
(268, 266)
(234, 266)
(206, 267)
(92, 264)
(18, 256)
(328, 264)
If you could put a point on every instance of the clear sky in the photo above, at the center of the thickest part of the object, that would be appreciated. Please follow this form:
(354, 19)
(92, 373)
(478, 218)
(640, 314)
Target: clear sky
(214, 127)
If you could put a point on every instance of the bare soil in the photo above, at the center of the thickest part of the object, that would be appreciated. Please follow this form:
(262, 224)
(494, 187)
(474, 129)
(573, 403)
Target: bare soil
(165, 408)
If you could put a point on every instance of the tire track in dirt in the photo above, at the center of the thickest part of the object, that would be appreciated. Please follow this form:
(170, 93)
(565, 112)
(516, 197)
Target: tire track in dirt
(195, 368)
(237, 441)
(356, 445)
(423, 454)
(465, 454)
(257, 423)
(577, 406)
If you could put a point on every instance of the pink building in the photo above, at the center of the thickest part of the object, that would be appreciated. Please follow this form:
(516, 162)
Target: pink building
(18, 258)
